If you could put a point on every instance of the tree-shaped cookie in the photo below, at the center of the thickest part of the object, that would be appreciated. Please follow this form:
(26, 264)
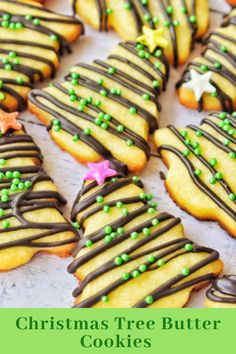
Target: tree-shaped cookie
(222, 293)
(32, 39)
(30, 205)
(202, 167)
(130, 254)
(107, 109)
(209, 81)
(181, 22)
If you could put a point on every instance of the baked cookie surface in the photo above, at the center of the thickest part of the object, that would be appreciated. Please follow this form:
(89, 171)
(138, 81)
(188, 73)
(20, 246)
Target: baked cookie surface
(209, 81)
(30, 205)
(222, 293)
(182, 21)
(32, 39)
(129, 254)
(106, 109)
(202, 166)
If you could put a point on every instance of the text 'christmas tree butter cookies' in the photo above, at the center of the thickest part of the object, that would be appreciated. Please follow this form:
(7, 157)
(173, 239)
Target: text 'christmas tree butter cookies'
(209, 81)
(107, 109)
(30, 205)
(202, 166)
(222, 293)
(129, 254)
(32, 39)
(181, 22)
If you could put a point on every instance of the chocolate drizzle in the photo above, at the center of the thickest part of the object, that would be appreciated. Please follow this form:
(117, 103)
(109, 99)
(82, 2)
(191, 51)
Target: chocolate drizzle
(131, 89)
(223, 290)
(20, 146)
(86, 208)
(32, 72)
(225, 57)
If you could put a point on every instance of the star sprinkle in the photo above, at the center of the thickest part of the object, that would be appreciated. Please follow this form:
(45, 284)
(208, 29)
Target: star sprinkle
(200, 83)
(9, 121)
(152, 38)
(99, 172)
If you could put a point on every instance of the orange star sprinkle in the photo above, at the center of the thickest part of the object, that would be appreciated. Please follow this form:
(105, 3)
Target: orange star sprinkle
(9, 121)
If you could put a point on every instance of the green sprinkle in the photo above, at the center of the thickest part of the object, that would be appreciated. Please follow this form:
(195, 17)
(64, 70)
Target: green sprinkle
(223, 49)
(169, 10)
(133, 110)
(2, 175)
(76, 225)
(54, 38)
(4, 198)
(134, 235)
(155, 222)
(98, 103)
(204, 68)
(13, 187)
(76, 138)
(100, 199)
(120, 230)
(119, 205)
(75, 75)
(155, 83)
(5, 191)
(20, 80)
(16, 181)
(2, 162)
(135, 273)
(219, 175)
(28, 184)
(28, 17)
(36, 21)
(9, 174)
(232, 155)
(146, 231)
(151, 210)
(184, 133)
(106, 209)
(5, 224)
(87, 131)
(193, 19)
(125, 276)
(5, 24)
(104, 126)
(186, 152)
(158, 53)
(198, 172)
(88, 243)
(142, 195)
(108, 238)
(151, 258)
(127, 6)
(118, 261)
(183, 9)
(120, 128)
(6, 17)
(111, 70)
(2, 212)
(218, 65)
(213, 161)
(125, 257)
(197, 151)
(125, 211)
(135, 179)
(149, 299)
(198, 133)
(185, 271)
(212, 180)
(103, 93)
(130, 142)
(232, 197)
(100, 81)
(109, 11)
(105, 298)
(108, 229)
(142, 268)
(160, 262)
(188, 246)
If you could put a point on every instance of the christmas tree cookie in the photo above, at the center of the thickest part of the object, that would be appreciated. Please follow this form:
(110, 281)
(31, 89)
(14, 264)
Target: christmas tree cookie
(32, 39)
(222, 293)
(107, 109)
(209, 81)
(30, 205)
(180, 22)
(130, 254)
(202, 166)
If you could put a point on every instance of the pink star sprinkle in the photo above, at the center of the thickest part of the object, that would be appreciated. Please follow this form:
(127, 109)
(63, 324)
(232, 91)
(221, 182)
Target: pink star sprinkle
(99, 172)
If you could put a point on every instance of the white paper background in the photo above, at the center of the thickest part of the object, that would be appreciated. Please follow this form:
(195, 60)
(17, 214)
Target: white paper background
(44, 282)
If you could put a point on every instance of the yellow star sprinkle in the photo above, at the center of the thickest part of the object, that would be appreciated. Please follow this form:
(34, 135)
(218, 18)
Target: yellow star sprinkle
(152, 38)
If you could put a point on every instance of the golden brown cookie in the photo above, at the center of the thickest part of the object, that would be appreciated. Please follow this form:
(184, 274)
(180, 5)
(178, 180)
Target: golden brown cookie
(222, 293)
(209, 81)
(130, 254)
(32, 39)
(202, 166)
(106, 109)
(30, 205)
(182, 21)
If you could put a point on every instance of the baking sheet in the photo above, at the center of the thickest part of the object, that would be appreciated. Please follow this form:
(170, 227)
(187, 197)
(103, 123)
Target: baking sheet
(44, 282)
